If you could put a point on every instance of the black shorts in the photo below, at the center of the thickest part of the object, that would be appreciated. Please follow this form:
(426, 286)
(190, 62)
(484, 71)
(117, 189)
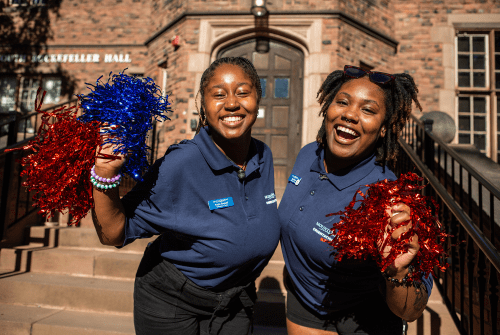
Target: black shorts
(373, 317)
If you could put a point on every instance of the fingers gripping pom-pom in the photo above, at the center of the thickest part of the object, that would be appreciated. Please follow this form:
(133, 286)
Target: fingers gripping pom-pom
(58, 169)
(131, 104)
(363, 223)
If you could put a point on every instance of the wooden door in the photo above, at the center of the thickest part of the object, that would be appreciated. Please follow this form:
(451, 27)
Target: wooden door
(280, 112)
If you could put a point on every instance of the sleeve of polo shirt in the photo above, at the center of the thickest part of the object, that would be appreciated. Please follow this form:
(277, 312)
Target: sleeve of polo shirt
(149, 208)
(429, 283)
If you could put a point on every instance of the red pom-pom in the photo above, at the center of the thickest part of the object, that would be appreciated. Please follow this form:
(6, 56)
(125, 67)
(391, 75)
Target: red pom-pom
(58, 170)
(360, 230)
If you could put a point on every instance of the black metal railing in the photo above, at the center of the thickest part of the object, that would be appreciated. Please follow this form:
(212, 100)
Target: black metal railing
(469, 286)
(16, 203)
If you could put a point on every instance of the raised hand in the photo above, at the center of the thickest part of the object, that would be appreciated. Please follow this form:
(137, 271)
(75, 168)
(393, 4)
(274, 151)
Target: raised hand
(107, 163)
(399, 213)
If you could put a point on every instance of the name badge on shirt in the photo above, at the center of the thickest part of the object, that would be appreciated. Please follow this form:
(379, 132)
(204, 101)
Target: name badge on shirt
(294, 179)
(270, 198)
(220, 203)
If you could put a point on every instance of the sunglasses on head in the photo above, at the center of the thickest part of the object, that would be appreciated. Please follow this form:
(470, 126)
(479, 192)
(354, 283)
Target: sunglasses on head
(351, 71)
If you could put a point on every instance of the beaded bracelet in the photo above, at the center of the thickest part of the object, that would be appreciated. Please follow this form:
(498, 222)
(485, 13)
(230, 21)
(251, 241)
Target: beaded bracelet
(405, 281)
(104, 183)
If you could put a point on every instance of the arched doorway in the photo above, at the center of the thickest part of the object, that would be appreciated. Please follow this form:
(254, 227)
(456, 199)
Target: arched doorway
(280, 114)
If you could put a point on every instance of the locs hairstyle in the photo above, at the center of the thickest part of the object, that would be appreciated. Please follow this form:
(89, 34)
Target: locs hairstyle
(243, 63)
(398, 101)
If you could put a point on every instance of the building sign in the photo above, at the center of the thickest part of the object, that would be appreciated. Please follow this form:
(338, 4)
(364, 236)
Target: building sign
(65, 58)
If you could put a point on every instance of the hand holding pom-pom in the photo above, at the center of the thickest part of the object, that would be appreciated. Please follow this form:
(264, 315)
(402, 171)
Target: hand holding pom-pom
(394, 226)
(108, 160)
(398, 227)
(130, 104)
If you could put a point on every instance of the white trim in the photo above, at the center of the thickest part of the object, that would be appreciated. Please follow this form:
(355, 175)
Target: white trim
(471, 61)
(471, 132)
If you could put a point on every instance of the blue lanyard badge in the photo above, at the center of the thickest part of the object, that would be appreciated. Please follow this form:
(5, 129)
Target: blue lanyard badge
(220, 203)
(294, 179)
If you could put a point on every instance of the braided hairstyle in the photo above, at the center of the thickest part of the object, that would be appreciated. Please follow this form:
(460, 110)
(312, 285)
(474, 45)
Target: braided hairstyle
(398, 102)
(243, 63)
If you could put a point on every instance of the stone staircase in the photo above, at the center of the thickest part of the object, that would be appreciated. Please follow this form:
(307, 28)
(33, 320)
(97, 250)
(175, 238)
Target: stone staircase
(65, 282)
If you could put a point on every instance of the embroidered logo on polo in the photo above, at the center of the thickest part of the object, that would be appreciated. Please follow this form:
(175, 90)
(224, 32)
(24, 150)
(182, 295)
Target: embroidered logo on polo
(294, 179)
(220, 203)
(323, 231)
(270, 199)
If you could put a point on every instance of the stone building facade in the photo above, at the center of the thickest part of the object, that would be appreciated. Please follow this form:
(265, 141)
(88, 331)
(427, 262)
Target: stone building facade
(451, 48)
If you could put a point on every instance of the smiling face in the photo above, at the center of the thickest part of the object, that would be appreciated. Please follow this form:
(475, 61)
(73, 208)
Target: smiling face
(230, 103)
(354, 123)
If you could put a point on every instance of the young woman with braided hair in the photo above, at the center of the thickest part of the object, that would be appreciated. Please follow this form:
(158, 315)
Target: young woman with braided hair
(211, 199)
(363, 113)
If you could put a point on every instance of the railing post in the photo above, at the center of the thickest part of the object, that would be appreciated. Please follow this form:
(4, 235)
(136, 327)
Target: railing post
(7, 173)
(428, 145)
(153, 144)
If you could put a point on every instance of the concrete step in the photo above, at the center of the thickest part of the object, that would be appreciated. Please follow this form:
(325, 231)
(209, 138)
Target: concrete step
(99, 294)
(435, 320)
(78, 293)
(86, 237)
(46, 235)
(87, 262)
(76, 237)
(71, 261)
(29, 320)
(270, 287)
(115, 264)
(18, 258)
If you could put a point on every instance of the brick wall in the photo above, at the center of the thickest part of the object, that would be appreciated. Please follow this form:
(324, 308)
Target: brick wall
(344, 44)
(419, 54)
(376, 13)
(117, 27)
(101, 22)
(181, 85)
(82, 40)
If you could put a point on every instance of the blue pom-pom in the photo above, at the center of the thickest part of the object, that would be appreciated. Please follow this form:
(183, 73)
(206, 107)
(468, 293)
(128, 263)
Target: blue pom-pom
(131, 104)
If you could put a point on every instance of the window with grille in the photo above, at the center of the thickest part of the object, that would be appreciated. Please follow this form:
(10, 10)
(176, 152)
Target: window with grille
(28, 2)
(478, 90)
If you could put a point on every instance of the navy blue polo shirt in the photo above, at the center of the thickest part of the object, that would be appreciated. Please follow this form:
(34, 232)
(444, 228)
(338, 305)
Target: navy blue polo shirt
(218, 230)
(318, 280)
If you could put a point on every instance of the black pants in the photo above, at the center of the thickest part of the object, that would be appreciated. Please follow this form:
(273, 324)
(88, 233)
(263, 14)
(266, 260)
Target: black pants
(166, 302)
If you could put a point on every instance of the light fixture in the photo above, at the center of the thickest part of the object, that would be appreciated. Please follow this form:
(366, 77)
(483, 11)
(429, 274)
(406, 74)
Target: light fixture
(259, 8)
(262, 45)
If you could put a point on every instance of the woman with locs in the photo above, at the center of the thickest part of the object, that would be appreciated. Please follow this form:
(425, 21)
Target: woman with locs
(363, 114)
(211, 199)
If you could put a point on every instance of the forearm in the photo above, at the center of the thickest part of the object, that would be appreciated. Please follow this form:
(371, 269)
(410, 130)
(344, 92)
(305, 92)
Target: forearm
(407, 302)
(108, 215)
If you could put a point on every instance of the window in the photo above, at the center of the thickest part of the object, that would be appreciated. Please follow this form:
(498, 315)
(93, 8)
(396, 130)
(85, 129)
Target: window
(27, 94)
(18, 93)
(52, 85)
(194, 124)
(7, 94)
(478, 85)
(19, 2)
(28, 2)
